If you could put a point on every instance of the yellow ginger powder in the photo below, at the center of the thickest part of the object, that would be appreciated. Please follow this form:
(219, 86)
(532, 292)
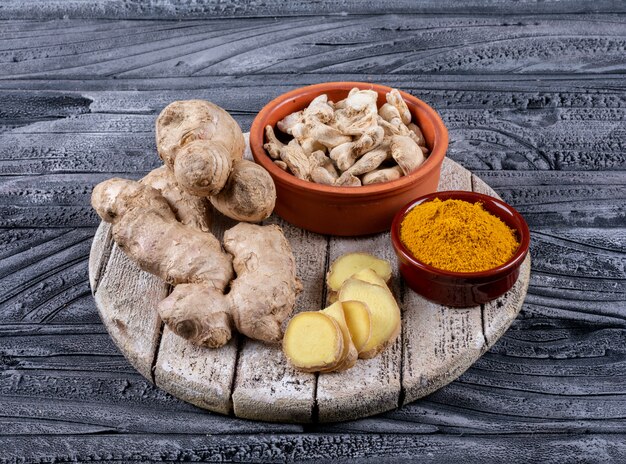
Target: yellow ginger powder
(457, 236)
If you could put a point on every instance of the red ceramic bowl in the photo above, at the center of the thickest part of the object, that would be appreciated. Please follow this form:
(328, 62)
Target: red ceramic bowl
(347, 211)
(462, 289)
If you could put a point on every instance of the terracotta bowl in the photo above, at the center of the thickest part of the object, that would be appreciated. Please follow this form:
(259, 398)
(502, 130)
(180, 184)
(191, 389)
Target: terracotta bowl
(347, 211)
(462, 289)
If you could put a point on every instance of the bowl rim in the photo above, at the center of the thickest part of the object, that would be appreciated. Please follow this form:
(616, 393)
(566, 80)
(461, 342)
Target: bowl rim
(434, 160)
(510, 265)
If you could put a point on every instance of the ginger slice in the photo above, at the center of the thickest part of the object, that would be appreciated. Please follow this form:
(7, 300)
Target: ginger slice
(369, 275)
(350, 353)
(349, 264)
(384, 309)
(313, 341)
(359, 320)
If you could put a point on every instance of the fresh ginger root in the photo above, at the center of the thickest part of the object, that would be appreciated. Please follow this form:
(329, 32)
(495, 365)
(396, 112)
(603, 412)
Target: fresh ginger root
(189, 209)
(203, 146)
(313, 341)
(199, 142)
(260, 298)
(308, 327)
(359, 321)
(385, 313)
(146, 229)
(264, 293)
(349, 264)
(247, 195)
(366, 313)
(350, 354)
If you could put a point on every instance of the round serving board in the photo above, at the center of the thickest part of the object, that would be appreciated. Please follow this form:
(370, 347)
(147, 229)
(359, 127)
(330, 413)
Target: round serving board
(251, 380)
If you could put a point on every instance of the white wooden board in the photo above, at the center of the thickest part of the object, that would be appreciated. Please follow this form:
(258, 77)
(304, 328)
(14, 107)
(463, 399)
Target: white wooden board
(254, 381)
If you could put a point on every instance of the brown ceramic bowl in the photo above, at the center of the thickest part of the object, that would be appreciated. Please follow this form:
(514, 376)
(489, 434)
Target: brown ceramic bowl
(462, 289)
(347, 211)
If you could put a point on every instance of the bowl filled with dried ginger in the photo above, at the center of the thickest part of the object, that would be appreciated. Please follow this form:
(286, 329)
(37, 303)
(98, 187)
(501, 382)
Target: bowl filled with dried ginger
(460, 248)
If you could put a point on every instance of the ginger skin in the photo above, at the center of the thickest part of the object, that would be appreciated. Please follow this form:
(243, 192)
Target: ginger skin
(189, 209)
(198, 141)
(203, 146)
(260, 298)
(382, 175)
(264, 293)
(249, 194)
(313, 344)
(407, 153)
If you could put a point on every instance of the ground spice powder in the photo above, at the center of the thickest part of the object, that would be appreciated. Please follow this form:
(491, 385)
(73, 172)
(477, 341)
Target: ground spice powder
(457, 236)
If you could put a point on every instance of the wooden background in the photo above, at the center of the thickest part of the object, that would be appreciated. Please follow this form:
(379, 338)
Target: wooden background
(534, 96)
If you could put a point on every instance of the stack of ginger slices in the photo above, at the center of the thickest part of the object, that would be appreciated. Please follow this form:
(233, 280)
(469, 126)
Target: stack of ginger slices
(362, 321)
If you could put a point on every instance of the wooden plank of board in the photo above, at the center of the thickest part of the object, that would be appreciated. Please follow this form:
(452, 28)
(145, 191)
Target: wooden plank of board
(99, 254)
(500, 313)
(127, 299)
(439, 343)
(372, 385)
(201, 376)
(266, 386)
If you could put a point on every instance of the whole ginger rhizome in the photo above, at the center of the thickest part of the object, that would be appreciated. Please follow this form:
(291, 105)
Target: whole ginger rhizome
(162, 224)
(247, 283)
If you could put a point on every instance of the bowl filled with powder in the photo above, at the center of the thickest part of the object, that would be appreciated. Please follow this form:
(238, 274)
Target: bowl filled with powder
(460, 248)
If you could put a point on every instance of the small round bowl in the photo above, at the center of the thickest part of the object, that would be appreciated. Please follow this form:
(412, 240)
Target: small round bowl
(462, 289)
(347, 211)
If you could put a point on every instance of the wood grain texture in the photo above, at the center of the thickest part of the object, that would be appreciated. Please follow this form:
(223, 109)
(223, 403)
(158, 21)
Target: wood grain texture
(266, 386)
(379, 44)
(341, 448)
(503, 311)
(44, 276)
(255, 381)
(372, 385)
(99, 254)
(440, 343)
(200, 376)
(523, 125)
(183, 9)
(127, 299)
(547, 136)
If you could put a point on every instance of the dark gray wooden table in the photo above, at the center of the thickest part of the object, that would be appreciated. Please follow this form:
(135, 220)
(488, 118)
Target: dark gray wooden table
(534, 96)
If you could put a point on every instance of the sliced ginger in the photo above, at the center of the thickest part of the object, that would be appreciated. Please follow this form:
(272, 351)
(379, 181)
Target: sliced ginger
(349, 264)
(384, 310)
(350, 353)
(313, 341)
(370, 276)
(365, 314)
(359, 321)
